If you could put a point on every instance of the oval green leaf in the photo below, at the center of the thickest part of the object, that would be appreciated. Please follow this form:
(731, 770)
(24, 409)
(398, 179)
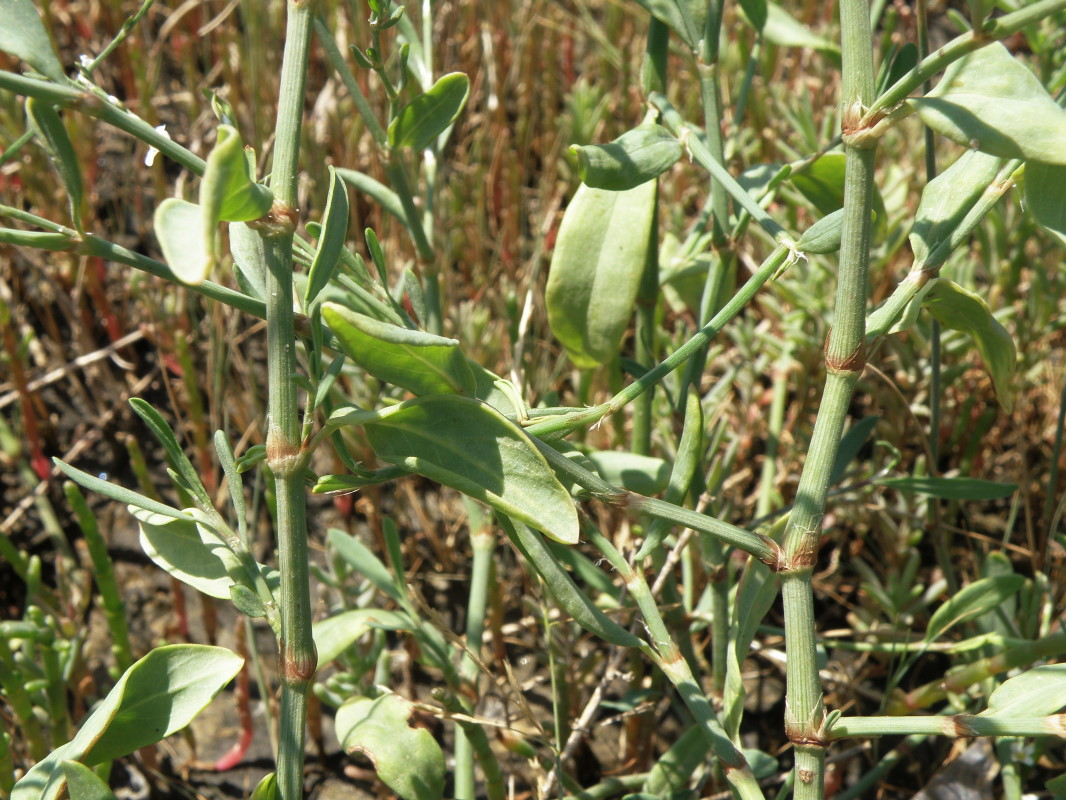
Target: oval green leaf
(426, 117)
(414, 360)
(53, 137)
(22, 34)
(179, 227)
(646, 475)
(228, 191)
(1045, 195)
(83, 783)
(333, 635)
(637, 156)
(823, 236)
(192, 551)
(596, 270)
(407, 758)
(157, 696)
(962, 310)
(1037, 692)
(972, 601)
(469, 446)
(989, 101)
(946, 200)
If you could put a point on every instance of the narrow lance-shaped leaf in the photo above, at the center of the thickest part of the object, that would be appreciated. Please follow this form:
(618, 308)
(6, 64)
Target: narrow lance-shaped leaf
(154, 698)
(596, 270)
(417, 361)
(330, 240)
(53, 137)
(962, 310)
(407, 758)
(22, 34)
(972, 601)
(426, 117)
(676, 14)
(951, 488)
(471, 447)
(638, 155)
(990, 101)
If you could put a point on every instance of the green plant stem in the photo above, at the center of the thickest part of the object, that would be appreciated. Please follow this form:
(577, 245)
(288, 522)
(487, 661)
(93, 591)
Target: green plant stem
(992, 30)
(97, 105)
(954, 726)
(285, 455)
(845, 359)
(560, 426)
(668, 657)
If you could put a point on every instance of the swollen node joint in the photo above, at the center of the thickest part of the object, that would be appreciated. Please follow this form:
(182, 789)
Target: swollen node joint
(296, 669)
(853, 362)
(283, 456)
(280, 220)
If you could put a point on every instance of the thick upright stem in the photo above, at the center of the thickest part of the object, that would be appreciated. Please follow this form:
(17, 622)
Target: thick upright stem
(285, 455)
(845, 358)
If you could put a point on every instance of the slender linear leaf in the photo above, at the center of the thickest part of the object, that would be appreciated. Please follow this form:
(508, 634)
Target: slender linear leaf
(379, 192)
(850, 445)
(989, 101)
(119, 493)
(362, 559)
(22, 34)
(407, 758)
(677, 15)
(952, 488)
(972, 601)
(469, 446)
(426, 117)
(53, 136)
(331, 239)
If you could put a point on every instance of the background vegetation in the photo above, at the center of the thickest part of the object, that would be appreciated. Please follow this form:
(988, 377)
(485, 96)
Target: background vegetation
(81, 336)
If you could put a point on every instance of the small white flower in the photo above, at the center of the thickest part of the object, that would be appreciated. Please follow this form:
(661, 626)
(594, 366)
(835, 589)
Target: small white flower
(85, 61)
(149, 157)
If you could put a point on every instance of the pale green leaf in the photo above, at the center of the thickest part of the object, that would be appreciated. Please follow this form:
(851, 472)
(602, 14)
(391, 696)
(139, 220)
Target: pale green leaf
(407, 758)
(784, 30)
(154, 698)
(595, 273)
(951, 488)
(330, 240)
(192, 551)
(426, 117)
(362, 559)
(1037, 692)
(990, 101)
(335, 634)
(469, 446)
(946, 200)
(972, 601)
(676, 15)
(53, 137)
(962, 310)
(1045, 196)
(22, 34)
(637, 156)
(228, 191)
(83, 783)
(414, 360)
(179, 227)
(646, 475)
(119, 493)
